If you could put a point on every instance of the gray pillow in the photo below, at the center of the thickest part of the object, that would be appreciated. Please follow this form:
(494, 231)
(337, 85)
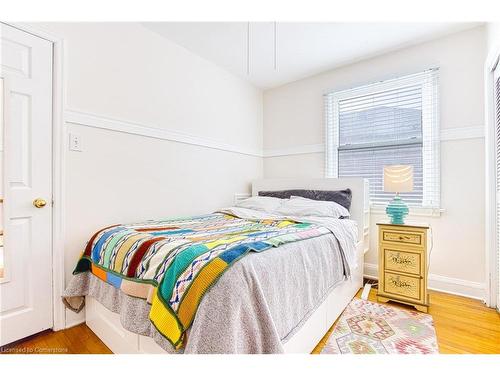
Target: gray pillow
(342, 197)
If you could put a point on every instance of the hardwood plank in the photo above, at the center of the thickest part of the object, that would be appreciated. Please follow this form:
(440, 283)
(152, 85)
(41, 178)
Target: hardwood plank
(75, 340)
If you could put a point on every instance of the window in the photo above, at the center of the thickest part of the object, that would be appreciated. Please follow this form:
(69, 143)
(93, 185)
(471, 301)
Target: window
(385, 123)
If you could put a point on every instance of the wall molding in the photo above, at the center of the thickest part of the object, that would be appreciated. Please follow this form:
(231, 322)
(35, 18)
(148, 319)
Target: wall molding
(440, 283)
(145, 130)
(101, 122)
(451, 134)
(466, 132)
(296, 150)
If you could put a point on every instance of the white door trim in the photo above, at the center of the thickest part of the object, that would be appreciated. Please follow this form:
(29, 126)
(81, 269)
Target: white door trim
(490, 201)
(58, 168)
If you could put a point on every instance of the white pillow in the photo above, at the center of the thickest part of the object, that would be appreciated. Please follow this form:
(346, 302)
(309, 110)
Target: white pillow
(298, 206)
(267, 204)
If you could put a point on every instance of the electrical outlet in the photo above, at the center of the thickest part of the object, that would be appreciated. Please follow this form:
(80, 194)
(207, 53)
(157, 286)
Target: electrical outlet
(75, 142)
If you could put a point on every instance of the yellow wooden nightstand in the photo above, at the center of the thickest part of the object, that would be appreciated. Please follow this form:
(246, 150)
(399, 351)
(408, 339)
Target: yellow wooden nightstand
(402, 264)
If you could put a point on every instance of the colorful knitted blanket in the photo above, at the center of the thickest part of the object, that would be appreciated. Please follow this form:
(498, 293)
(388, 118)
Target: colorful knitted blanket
(172, 263)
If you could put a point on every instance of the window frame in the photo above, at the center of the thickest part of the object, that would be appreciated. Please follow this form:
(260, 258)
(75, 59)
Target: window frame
(429, 80)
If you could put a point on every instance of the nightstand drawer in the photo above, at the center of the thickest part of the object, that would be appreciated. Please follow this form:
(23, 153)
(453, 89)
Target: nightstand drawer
(403, 261)
(401, 285)
(406, 237)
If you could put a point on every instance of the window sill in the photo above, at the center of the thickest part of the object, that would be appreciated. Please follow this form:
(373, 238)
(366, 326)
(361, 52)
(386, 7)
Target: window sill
(378, 209)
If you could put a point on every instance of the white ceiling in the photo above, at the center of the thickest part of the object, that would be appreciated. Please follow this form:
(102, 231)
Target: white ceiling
(303, 49)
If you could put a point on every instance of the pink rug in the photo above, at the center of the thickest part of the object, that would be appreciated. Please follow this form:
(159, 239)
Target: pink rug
(373, 328)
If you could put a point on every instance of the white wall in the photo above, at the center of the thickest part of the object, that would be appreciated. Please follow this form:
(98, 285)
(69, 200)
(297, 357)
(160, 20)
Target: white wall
(293, 117)
(124, 71)
(493, 35)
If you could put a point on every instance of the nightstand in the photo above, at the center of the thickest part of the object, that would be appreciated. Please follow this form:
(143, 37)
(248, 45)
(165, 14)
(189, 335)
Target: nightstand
(402, 264)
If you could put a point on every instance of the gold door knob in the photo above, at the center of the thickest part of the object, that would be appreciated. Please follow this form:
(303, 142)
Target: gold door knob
(39, 203)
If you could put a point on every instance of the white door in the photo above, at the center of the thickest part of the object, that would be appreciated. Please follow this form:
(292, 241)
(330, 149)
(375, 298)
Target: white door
(26, 285)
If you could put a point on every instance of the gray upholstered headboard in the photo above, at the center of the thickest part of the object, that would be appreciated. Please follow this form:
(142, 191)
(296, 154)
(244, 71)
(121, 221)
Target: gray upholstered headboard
(359, 187)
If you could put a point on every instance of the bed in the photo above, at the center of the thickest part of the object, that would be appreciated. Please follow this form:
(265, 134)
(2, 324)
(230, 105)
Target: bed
(281, 300)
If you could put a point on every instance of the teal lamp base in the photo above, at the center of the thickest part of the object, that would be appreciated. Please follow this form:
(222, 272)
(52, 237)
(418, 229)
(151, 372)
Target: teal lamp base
(397, 210)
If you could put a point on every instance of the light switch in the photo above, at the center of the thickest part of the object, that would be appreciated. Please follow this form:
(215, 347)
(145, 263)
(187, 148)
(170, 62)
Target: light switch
(75, 142)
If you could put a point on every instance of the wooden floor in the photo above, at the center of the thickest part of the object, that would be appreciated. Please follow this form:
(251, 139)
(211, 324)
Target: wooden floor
(76, 340)
(462, 325)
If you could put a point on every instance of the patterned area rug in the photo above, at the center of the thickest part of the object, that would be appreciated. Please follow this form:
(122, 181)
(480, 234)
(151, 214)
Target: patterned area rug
(371, 328)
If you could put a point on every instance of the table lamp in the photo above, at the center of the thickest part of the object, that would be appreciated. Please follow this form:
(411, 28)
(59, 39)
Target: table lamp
(398, 179)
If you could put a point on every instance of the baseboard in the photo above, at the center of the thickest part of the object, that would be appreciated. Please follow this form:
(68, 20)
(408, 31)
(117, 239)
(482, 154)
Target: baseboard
(459, 287)
(74, 319)
(370, 271)
(75, 323)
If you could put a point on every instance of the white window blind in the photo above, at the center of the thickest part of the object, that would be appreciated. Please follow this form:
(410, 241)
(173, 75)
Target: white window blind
(385, 123)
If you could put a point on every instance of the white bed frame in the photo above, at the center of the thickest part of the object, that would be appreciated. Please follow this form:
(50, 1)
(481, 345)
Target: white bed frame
(106, 325)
